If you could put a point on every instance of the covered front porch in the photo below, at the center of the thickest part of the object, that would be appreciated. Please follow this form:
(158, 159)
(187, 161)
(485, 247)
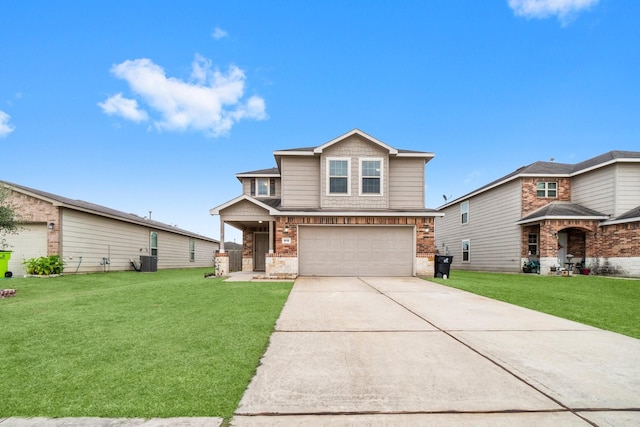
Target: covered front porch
(257, 222)
(560, 236)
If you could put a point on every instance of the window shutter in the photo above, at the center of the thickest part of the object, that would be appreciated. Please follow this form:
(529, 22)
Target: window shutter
(253, 187)
(272, 187)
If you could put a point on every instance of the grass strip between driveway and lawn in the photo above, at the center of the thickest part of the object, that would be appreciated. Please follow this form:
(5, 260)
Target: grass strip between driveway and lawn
(604, 302)
(127, 344)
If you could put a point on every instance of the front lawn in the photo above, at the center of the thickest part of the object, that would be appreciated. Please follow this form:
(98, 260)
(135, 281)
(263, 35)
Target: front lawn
(603, 302)
(129, 344)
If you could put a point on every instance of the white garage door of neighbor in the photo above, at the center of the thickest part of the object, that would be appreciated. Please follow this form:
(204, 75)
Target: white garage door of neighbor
(30, 242)
(355, 250)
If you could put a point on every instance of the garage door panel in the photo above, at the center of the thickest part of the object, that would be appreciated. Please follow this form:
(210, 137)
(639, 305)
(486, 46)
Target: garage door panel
(356, 250)
(30, 242)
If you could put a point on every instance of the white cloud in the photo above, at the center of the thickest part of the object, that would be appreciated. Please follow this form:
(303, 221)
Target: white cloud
(210, 102)
(127, 108)
(5, 127)
(219, 33)
(563, 9)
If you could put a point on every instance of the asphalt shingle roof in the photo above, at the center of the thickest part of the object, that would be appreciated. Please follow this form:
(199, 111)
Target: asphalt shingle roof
(104, 211)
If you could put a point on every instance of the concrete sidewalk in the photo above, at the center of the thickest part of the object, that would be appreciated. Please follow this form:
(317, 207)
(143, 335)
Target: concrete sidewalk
(406, 352)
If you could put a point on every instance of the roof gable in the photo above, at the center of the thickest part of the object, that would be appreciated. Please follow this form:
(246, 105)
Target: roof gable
(319, 149)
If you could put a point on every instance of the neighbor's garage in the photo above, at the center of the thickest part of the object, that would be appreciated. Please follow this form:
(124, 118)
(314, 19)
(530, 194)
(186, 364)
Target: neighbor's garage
(355, 250)
(30, 242)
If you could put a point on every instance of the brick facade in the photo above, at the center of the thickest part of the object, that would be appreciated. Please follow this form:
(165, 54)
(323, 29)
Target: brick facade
(36, 211)
(425, 243)
(530, 200)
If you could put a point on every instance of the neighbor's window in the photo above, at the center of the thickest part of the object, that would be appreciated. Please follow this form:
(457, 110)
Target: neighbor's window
(153, 243)
(533, 244)
(338, 176)
(192, 250)
(547, 189)
(371, 172)
(464, 212)
(465, 250)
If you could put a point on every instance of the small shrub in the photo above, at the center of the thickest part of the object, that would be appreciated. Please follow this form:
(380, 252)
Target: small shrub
(44, 265)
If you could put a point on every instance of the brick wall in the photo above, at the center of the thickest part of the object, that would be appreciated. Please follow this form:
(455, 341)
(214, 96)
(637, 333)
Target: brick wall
(531, 202)
(32, 210)
(425, 244)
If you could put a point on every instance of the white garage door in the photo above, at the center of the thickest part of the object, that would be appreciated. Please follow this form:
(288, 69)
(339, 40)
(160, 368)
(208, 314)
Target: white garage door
(355, 251)
(30, 242)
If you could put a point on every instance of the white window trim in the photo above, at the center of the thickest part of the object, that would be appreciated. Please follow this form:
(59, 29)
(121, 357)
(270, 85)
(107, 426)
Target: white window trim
(462, 212)
(268, 187)
(462, 250)
(546, 189)
(377, 159)
(328, 177)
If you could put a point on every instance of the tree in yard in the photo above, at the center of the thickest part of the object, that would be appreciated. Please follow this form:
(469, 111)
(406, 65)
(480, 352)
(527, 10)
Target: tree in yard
(8, 217)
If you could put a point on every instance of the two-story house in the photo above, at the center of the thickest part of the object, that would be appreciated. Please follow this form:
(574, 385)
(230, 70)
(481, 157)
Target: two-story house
(559, 214)
(353, 206)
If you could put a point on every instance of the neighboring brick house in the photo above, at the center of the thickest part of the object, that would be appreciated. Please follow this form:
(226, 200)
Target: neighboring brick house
(93, 238)
(353, 206)
(548, 210)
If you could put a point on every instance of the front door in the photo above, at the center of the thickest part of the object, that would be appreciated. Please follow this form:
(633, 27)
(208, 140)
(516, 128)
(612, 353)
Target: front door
(260, 249)
(562, 249)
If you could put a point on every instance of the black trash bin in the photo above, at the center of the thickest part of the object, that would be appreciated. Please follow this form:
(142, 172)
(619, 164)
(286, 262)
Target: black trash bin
(443, 266)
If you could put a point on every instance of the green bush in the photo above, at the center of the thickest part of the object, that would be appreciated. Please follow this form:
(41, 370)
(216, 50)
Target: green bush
(44, 265)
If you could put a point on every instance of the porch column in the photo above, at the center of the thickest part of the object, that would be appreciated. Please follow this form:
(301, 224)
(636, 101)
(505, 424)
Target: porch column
(221, 236)
(270, 237)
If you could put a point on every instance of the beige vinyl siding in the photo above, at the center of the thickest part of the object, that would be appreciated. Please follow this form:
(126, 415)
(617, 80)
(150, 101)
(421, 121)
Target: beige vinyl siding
(245, 211)
(94, 237)
(492, 231)
(628, 184)
(173, 251)
(301, 182)
(355, 148)
(596, 190)
(406, 183)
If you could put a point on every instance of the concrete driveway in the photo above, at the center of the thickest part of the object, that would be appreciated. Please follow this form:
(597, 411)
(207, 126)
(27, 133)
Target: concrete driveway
(407, 352)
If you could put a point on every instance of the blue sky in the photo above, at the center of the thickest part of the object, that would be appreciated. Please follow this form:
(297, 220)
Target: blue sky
(155, 106)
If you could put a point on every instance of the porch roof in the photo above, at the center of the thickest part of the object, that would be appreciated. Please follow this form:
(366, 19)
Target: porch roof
(562, 210)
(632, 215)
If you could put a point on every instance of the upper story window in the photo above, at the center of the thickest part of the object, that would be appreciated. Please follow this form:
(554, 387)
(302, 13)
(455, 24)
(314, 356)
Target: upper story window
(371, 176)
(464, 212)
(547, 189)
(338, 176)
(263, 187)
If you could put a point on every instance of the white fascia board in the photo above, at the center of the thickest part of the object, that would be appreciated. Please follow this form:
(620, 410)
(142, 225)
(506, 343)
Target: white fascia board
(601, 165)
(217, 209)
(424, 155)
(293, 153)
(360, 213)
(258, 175)
(620, 221)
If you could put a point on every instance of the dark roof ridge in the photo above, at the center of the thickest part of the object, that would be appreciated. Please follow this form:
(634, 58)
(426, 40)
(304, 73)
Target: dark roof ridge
(81, 205)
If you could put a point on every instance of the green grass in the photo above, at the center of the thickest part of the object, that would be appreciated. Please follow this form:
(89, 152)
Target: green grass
(603, 302)
(164, 344)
